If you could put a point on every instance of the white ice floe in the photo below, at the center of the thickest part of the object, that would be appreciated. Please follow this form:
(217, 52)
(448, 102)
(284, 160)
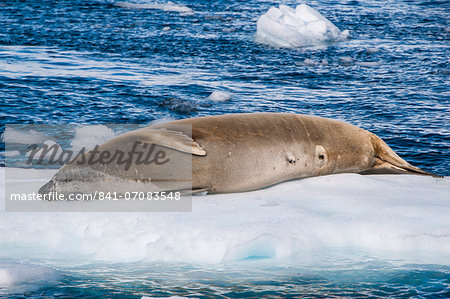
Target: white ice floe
(169, 6)
(308, 61)
(9, 154)
(90, 136)
(13, 135)
(45, 151)
(346, 60)
(369, 63)
(304, 26)
(219, 96)
(372, 50)
(400, 217)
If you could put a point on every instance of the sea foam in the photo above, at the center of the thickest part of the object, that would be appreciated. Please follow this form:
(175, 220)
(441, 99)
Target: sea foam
(304, 26)
(169, 6)
(25, 276)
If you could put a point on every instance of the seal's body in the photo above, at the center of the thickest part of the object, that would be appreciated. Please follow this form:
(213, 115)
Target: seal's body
(242, 152)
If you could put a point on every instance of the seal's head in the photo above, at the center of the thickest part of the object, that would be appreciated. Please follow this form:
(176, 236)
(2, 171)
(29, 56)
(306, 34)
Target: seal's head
(47, 188)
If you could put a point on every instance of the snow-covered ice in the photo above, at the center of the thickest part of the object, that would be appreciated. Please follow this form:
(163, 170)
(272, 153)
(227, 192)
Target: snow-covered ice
(398, 216)
(304, 26)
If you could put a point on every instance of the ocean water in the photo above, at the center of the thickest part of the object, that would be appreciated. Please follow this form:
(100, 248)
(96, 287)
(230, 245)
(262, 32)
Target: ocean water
(98, 62)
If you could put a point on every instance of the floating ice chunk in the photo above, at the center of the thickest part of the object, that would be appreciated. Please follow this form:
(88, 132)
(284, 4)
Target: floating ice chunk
(306, 13)
(9, 154)
(345, 34)
(12, 135)
(372, 50)
(44, 152)
(166, 28)
(369, 63)
(304, 26)
(308, 61)
(169, 6)
(228, 30)
(346, 59)
(274, 13)
(219, 96)
(90, 136)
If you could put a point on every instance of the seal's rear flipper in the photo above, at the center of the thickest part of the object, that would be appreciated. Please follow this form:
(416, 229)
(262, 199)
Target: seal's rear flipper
(383, 167)
(387, 161)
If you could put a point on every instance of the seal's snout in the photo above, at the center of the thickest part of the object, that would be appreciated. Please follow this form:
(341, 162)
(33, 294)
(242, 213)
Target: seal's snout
(47, 188)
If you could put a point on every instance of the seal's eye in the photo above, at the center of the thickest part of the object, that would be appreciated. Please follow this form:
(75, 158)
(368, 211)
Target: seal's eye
(321, 157)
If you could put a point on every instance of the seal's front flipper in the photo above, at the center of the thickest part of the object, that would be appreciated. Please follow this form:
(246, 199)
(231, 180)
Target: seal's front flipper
(168, 138)
(200, 191)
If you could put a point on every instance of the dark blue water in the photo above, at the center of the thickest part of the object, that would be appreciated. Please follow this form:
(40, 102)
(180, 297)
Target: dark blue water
(87, 61)
(94, 62)
(247, 280)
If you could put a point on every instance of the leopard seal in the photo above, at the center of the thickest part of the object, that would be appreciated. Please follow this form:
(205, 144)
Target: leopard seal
(238, 152)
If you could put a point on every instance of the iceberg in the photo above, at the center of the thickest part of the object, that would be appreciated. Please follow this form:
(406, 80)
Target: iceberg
(289, 28)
